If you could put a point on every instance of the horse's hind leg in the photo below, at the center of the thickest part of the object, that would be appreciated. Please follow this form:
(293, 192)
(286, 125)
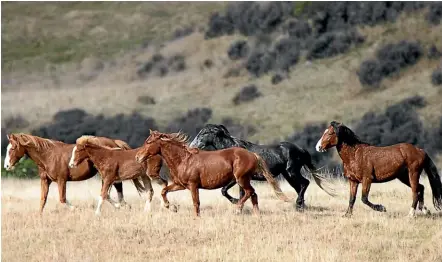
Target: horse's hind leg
(225, 192)
(366, 184)
(45, 183)
(299, 183)
(420, 195)
(119, 187)
(414, 184)
(149, 192)
(244, 182)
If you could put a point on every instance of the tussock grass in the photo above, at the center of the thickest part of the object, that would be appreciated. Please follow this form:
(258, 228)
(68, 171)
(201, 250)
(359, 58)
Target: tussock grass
(279, 234)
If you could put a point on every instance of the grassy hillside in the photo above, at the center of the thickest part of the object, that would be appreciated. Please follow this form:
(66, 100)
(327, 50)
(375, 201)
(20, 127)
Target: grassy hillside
(59, 56)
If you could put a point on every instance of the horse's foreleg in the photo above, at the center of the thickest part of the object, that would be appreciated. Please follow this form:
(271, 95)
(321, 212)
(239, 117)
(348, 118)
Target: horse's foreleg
(351, 202)
(225, 192)
(45, 183)
(366, 184)
(62, 194)
(195, 197)
(170, 188)
(104, 194)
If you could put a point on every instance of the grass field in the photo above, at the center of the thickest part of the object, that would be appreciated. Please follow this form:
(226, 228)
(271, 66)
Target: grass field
(279, 234)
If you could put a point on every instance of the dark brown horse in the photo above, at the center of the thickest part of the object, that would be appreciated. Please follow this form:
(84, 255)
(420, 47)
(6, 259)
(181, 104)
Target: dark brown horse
(191, 168)
(116, 165)
(366, 164)
(51, 158)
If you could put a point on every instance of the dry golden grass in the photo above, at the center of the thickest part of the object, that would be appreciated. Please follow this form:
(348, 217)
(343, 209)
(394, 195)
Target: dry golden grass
(279, 234)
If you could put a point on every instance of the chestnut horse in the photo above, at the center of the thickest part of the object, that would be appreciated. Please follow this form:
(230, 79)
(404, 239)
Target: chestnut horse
(366, 164)
(116, 165)
(51, 158)
(191, 168)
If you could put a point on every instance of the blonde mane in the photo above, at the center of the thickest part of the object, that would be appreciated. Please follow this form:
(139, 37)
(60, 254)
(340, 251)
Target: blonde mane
(93, 140)
(38, 142)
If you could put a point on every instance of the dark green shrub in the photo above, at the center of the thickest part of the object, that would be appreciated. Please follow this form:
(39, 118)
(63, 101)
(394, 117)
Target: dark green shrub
(25, 169)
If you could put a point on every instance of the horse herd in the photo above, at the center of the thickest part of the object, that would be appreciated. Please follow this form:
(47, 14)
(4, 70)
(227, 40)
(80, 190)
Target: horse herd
(216, 159)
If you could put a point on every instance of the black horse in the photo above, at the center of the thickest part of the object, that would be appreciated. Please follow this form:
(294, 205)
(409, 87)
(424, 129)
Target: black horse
(284, 158)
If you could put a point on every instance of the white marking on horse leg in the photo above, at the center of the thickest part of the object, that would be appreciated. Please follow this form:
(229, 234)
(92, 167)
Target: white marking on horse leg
(318, 145)
(120, 197)
(71, 161)
(412, 213)
(147, 206)
(425, 211)
(98, 210)
(7, 163)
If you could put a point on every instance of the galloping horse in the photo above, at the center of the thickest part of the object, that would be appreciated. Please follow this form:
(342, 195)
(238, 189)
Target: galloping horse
(366, 164)
(116, 165)
(51, 158)
(191, 168)
(285, 158)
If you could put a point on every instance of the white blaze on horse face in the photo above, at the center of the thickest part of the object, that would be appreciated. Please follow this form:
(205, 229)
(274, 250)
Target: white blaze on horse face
(71, 162)
(318, 145)
(7, 164)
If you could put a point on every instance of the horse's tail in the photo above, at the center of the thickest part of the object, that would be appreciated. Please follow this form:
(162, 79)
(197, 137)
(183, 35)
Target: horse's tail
(264, 170)
(320, 180)
(435, 183)
(121, 144)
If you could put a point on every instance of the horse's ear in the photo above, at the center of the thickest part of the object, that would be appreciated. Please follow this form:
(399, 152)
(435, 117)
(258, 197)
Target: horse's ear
(8, 137)
(150, 131)
(336, 126)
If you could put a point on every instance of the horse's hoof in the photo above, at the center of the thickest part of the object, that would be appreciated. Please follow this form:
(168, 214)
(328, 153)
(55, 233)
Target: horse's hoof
(380, 208)
(238, 211)
(425, 212)
(347, 215)
(300, 208)
(234, 201)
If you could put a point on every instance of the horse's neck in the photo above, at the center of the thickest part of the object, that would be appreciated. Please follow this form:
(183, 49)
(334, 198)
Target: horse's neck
(96, 154)
(241, 143)
(347, 152)
(174, 155)
(38, 156)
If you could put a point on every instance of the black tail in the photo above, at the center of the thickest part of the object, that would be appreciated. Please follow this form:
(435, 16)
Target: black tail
(435, 183)
(318, 179)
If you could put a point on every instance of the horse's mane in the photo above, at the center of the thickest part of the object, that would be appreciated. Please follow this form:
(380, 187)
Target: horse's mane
(93, 140)
(37, 142)
(346, 135)
(179, 138)
(239, 142)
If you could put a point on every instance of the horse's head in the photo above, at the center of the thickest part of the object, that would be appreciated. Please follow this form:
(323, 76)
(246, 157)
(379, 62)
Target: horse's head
(213, 137)
(151, 146)
(79, 154)
(14, 152)
(329, 138)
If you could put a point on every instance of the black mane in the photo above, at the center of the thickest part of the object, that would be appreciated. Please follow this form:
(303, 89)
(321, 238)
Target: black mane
(346, 135)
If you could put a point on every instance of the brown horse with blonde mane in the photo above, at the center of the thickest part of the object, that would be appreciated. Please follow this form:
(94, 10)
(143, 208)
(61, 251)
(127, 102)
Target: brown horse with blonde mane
(51, 158)
(116, 165)
(192, 169)
(366, 164)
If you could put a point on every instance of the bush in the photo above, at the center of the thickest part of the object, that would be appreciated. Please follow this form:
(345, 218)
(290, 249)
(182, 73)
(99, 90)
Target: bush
(370, 73)
(434, 14)
(259, 63)
(299, 29)
(161, 66)
(181, 32)
(286, 54)
(391, 58)
(399, 123)
(433, 53)
(146, 100)
(238, 50)
(219, 25)
(394, 57)
(247, 94)
(26, 168)
(69, 125)
(238, 130)
(436, 77)
(177, 63)
(276, 79)
(191, 122)
(334, 43)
